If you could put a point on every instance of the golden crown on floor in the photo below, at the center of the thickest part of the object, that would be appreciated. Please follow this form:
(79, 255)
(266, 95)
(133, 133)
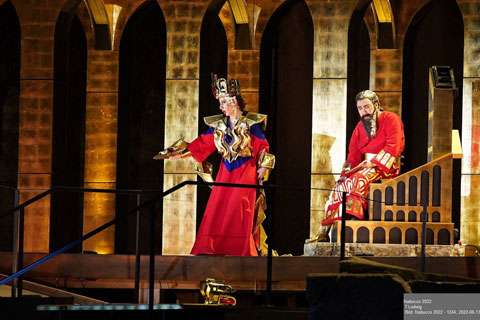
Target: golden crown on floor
(216, 292)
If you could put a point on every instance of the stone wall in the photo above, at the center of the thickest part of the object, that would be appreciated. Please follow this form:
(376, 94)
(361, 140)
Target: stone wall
(183, 18)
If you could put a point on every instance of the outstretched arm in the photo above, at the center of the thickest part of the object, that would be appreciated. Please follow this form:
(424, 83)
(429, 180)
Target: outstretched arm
(203, 146)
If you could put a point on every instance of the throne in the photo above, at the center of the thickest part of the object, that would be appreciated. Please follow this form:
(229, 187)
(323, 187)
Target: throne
(396, 205)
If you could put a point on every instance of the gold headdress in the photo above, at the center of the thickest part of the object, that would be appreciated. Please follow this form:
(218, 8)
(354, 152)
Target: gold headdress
(221, 88)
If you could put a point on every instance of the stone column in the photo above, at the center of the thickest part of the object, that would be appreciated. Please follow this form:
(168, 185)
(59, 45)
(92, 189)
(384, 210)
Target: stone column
(331, 20)
(386, 77)
(37, 22)
(100, 147)
(184, 19)
(470, 193)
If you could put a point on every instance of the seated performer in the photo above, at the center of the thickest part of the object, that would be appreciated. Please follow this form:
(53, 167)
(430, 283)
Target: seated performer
(227, 226)
(375, 147)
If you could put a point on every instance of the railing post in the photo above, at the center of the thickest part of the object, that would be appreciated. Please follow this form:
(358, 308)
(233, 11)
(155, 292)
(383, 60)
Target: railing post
(137, 254)
(424, 238)
(20, 249)
(342, 232)
(151, 274)
(15, 245)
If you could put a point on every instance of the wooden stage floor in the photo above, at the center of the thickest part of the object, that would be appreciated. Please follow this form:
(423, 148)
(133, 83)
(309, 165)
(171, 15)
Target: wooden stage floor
(185, 272)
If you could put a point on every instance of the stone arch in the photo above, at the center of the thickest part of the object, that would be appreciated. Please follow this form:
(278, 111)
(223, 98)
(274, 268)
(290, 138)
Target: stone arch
(363, 235)
(379, 235)
(348, 235)
(141, 118)
(99, 19)
(286, 53)
(443, 237)
(395, 236)
(434, 37)
(388, 215)
(429, 236)
(411, 236)
(384, 24)
(68, 129)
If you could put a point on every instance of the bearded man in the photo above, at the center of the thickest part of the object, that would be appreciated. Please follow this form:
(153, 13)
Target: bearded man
(375, 147)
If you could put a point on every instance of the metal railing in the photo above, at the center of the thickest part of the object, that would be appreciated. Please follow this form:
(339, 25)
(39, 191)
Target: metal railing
(18, 252)
(19, 211)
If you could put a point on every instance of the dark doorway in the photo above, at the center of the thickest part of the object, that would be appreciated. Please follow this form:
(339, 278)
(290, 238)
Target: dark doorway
(434, 37)
(68, 136)
(141, 117)
(9, 116)
(213, 59)
(286, 86)
(358, 70)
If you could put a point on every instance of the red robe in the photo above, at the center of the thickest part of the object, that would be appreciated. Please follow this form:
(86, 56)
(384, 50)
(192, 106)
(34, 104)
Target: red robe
(387, 144)
(227, 224)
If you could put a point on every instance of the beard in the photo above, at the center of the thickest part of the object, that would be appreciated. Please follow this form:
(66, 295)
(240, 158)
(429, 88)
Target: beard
(369, 122)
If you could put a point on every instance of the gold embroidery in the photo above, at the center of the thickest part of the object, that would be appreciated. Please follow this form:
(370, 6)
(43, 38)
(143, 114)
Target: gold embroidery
(390, 162)
(216, 121)
(266, 160)
(254, 118)
(371, 174)
(385, 158)
(350, 204)
(241, 144)
(357, 206)
(379, 155)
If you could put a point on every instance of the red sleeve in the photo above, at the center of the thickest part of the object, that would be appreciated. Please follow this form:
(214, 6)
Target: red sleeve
(394, 144)
(259, 145)
(259, 142)
(202, 147)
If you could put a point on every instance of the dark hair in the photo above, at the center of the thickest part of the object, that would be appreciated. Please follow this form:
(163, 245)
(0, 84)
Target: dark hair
(240, 101)
(369, 95)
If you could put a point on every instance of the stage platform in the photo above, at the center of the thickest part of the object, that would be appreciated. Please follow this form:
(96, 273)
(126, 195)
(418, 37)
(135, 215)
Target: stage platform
(110, 279)
(328, 249)
(184, 273)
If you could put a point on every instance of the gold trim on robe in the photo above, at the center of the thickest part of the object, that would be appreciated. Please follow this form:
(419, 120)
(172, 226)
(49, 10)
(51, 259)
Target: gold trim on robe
(241, 145)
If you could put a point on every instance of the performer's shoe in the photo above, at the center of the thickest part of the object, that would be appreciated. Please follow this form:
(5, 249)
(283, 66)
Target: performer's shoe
(322, 235)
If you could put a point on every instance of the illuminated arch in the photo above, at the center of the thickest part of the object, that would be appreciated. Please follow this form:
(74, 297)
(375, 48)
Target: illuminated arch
(99, 18)
(384, 24)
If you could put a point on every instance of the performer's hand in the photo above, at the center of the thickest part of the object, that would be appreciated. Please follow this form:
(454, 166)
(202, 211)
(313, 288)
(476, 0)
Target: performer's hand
(341, 179)
(368, 164)
(261, 173)
(177, 156)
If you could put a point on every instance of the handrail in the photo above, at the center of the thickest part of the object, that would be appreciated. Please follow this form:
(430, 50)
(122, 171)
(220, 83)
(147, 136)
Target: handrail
(113, 221)
(149, 203)
(18, 233)
(67, 189)
(26, 203)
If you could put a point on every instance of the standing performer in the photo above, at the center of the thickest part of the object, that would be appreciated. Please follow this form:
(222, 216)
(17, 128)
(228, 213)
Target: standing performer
(374, 150)
(227, 226)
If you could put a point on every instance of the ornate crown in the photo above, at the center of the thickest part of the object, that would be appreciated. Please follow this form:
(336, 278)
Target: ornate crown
(220, 87)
